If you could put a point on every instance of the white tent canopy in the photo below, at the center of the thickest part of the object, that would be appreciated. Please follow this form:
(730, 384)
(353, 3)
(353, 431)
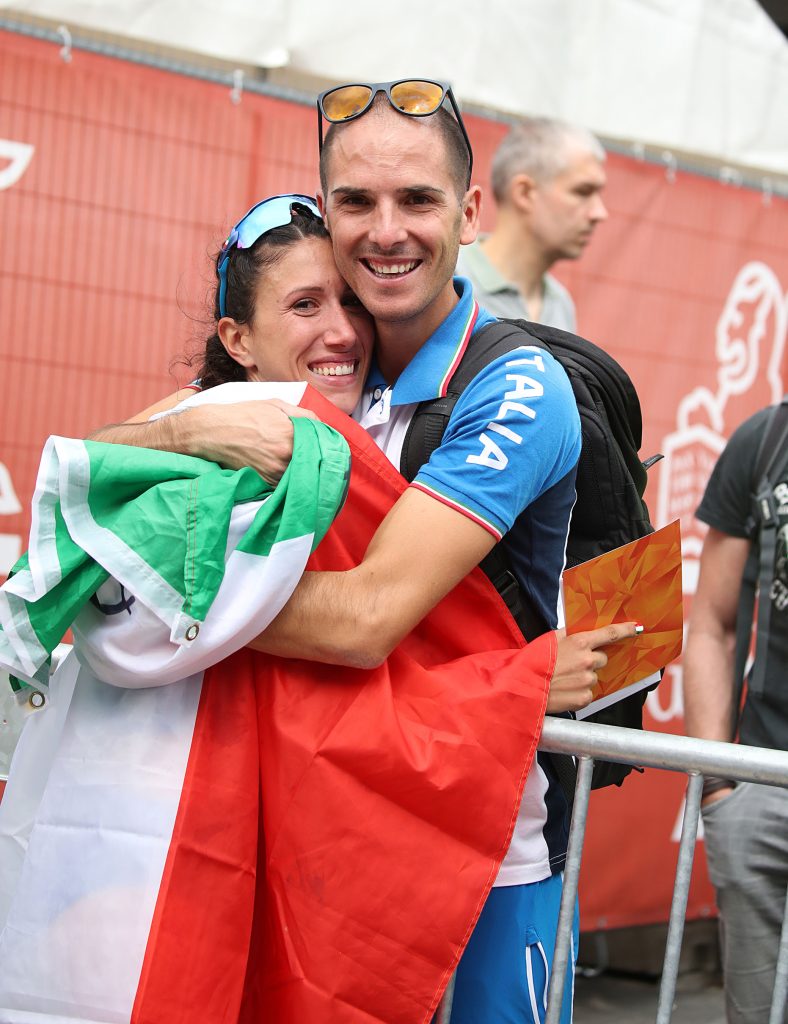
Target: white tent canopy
(708, 77)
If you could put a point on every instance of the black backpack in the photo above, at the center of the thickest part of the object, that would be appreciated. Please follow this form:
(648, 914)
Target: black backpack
(609, 510)
(769, 466)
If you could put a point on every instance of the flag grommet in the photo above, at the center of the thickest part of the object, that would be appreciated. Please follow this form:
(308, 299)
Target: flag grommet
(192, 632)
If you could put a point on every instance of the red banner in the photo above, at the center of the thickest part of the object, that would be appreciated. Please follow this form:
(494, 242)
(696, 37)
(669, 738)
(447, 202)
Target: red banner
(117, 184)
(687, 285)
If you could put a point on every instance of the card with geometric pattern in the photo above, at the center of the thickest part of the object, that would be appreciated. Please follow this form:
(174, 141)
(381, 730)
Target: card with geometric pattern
(640, 582)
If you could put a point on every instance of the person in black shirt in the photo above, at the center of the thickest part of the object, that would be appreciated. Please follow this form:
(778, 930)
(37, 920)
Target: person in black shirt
(746, 825)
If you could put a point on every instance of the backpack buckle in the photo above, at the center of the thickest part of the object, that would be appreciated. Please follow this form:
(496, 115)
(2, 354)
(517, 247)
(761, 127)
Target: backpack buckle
(766, 507)
(509, 589)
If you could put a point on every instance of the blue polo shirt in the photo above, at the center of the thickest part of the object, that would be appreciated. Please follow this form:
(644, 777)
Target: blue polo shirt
(508, 457)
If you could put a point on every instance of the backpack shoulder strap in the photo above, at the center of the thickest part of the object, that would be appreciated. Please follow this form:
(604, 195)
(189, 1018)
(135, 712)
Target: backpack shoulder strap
(771, 462)
(426, 429)
(773, 449)
(425, 433)
(604, 383)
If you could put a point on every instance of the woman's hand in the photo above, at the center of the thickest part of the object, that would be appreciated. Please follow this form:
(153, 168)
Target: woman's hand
(256, 434)
(578, 661)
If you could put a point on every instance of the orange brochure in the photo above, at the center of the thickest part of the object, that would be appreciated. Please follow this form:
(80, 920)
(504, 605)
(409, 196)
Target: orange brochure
(638, 582)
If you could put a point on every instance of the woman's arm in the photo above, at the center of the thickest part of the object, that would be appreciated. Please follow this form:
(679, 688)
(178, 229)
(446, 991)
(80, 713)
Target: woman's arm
(257, 434)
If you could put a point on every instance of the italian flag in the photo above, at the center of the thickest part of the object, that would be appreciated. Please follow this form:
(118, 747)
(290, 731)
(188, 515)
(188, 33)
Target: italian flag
(268, 840)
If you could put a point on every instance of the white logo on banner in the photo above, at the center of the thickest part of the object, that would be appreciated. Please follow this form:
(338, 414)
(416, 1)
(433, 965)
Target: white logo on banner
(750, 332)
(20, 154)
(10, 543)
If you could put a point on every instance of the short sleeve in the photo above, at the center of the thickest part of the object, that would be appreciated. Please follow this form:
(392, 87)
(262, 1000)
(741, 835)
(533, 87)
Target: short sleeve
(514, 433)
(726, 501)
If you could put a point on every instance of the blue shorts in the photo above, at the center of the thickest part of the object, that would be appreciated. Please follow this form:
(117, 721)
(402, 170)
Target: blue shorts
(503, 974)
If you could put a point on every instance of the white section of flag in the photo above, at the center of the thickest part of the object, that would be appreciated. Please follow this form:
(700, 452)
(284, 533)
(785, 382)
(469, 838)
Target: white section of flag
(135, 649)
(105, 823)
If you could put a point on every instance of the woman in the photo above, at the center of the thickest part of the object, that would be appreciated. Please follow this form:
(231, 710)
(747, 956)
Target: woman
(317, 861)
(281, 312)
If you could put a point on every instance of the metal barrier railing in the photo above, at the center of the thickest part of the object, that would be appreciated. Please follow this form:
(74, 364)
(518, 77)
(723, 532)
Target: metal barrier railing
(694, 757)
(676, 753)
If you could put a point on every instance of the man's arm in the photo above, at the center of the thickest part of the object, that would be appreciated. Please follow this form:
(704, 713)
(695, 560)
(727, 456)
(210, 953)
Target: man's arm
(421, 550)
(711, 640)
(256, 434)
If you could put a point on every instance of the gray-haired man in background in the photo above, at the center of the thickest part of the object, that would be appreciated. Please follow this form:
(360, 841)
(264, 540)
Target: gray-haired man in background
(547, 179)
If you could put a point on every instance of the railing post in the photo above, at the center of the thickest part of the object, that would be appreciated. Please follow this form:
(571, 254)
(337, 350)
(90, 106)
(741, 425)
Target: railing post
(566, 914)
(678, 908)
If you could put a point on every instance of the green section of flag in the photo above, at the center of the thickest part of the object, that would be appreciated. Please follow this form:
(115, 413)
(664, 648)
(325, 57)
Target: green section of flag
(158, 522)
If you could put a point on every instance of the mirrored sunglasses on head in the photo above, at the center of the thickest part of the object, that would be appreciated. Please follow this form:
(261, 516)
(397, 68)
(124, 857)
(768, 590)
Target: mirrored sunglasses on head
(274, 212)
(415, 97)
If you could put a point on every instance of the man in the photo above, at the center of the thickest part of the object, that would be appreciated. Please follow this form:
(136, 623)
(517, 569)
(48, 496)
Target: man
(398, 203)
(745, 824)
(547, 179)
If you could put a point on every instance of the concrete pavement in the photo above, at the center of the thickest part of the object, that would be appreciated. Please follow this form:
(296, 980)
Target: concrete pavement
(625, 999)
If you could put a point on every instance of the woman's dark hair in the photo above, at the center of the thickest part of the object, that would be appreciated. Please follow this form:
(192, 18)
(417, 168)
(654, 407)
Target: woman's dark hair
(244, 271)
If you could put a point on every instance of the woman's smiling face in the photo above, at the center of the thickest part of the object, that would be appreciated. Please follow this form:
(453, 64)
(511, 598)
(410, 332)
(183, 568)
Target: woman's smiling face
(307, 325)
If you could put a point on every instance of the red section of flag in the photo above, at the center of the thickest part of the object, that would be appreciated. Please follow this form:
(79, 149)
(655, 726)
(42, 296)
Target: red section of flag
(193, 969)
(388, 798)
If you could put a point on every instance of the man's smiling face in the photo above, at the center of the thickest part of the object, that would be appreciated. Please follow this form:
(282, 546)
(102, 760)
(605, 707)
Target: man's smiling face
(395, 217)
